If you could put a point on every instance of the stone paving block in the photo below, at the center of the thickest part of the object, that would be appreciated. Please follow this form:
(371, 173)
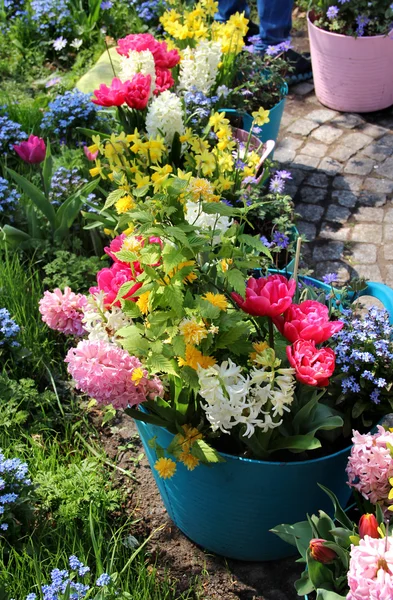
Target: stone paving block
(367, 232)
(341, 153)
(301, 89)
(345, 198)
(386, 168)
(313, 149)
(339, 214)
(313, 195)
(284, 155)
(310, 212)
(318, 180)
(328, 251)
(287, 119)
(374, 131)
(291, 189)
(339, 268)
(330, 166)
(388, 251)
(322, 115)
(306, 162)
(302, 127)
(348, 121)
(370, 199)
(369, 214)
(327, 134)
(356, 141)
(359, 166)
(386, 140)
(352, 183)
(387, 233)
(298, 176)
(331, 231)
(370, 272)
(362, 253)
(381, 186)
(289, 143)
(389, 275)
(389, 216)
(307, 229)
(377, 151)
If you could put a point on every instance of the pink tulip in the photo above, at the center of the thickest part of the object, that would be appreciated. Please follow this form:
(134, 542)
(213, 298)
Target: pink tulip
(110, 281)
(111, 96)
(308, 320)
(90, 155)
(138, 91)
(33, 151)
(267, 296)
(313, 366)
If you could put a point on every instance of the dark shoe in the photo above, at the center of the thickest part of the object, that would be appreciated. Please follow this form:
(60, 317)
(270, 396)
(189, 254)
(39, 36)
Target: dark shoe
(253, 29)
(301, 67)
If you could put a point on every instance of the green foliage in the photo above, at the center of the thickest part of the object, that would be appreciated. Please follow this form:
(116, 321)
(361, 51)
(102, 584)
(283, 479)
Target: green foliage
(69, 269)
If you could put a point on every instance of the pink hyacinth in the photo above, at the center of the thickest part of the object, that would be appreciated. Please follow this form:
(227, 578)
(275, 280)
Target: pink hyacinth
(370, 466)
(105, 372)
(62, 311)
(370, 575)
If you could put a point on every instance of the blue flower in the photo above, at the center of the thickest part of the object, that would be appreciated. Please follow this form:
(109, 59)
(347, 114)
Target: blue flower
(68, 111)
(276, 185)
(52, 16)
(281, 240)
(332, 12)
(330, 278)
(265, 241)
(10, 133)
(103, 579)
(8, 198)
(8, 329)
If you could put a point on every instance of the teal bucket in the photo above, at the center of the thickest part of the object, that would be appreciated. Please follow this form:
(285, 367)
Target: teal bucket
(228, 508)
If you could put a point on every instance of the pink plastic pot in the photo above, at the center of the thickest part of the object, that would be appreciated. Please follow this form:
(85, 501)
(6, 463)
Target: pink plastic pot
(351, 74)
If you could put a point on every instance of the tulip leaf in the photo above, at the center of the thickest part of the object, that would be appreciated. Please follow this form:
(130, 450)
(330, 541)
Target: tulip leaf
(36, 196)
(14, 236)
(339, 514)
(298, 535)
(303, 585)
(320, 575)
(47, 169)
(295, 442)
(328, 595)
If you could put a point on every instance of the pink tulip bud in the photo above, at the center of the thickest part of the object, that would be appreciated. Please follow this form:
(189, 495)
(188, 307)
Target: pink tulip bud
(368, 525)
(320, 552)
(33, 151)
(90, 155)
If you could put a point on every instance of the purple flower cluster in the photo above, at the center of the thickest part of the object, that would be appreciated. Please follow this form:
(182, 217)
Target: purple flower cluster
(279, 241)
(63, 583)
(277, 183)
(14, 483)
(361, 22)
(364, 351)
(332, 12)
(198, 105)
(278, 48)
(149, 11)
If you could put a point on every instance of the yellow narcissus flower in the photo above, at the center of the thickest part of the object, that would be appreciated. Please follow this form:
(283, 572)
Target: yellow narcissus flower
(259, 347)
(225, 262)
(97, 170)
(194, 359)
(261, 116)
(218, 300)
(210, 6)
(218, 120)
(239, 21)
(206, 162)
(141, 181)
(187, 135)
(222, 183)
(160, 176)
(143, 303)
(165, 467)
(129, 229)
(189, 460)
(192, 331)
(124, 204)
(155, 147)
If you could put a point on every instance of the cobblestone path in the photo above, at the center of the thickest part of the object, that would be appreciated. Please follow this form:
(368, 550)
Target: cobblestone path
(342, 168)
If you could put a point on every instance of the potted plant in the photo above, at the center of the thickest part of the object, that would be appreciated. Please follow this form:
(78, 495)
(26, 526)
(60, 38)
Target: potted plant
(350, 557)
(352, 54)
(232, 379)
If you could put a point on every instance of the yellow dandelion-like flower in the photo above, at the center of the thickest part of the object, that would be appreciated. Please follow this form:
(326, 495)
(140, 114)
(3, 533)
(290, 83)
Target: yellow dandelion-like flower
(166, 467)
(201, 189)
(225, 262)
(132, 244)
(189, 278)
(137, 375)
(124, 204)
(189, 460)
(192, 331)
(261, 116)
(218, 300)
(194, 359)
(259, 347)
(143, 303)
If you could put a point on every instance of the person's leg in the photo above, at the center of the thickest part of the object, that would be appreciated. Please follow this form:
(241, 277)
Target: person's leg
(227, 8)
(275, 21)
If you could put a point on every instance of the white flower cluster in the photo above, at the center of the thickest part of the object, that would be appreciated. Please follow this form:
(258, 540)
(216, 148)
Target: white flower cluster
(103, 324)
(164, 116)
(253, 400)
(199, 66)
(138, 62)
(205, 221)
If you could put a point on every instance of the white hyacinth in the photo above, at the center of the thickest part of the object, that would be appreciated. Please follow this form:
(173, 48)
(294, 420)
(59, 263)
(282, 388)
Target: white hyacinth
(164, 116)
(254, 400)
(138, 62)
(101, 323)
(199, 66)
(206, 221)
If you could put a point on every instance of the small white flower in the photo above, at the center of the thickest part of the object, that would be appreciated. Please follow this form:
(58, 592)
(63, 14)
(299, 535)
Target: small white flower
(138, 62)
(60, 43)
(101, 323)
(76, 43)
(199, 66)
(223, 91)
(165, 116)
(205, 221)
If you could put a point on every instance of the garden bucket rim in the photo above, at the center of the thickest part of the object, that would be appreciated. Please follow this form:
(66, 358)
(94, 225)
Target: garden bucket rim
(342, 35)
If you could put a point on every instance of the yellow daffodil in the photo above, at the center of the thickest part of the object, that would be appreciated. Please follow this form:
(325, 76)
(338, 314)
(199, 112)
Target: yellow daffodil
(206, 162)
(160, 176)
(225, 262)
(218, 120)
(97, 170)
(141, 181)
(261, 116)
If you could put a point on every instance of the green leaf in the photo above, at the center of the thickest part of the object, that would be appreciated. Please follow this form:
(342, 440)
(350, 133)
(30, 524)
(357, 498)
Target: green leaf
(303, 585)
(157, 363)
(173, 298)
(47, 169)
(113, 197)
(131, 309)
(339, 514)
(171, 258)
(255, 243)
(298, 535)
(206, 454)
(145, 417)
(36, 196)
(237, 280)
(328, 595)
(14, 235)
(295, 442)
(320, 575)
(227, 338)
(219, 208)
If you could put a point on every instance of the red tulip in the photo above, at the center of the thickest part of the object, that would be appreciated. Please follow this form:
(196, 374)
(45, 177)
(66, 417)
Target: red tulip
(138, 91)
(111, 96)
(33, 151)
(90, 155)
(163, 58)
(313, 366)
(308, 320)
(267, 296)
(320, 552)
(368, 525)
(164, 81)
(110, 281)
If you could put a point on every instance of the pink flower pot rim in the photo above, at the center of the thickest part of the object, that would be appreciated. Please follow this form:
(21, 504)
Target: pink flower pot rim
(362, 39)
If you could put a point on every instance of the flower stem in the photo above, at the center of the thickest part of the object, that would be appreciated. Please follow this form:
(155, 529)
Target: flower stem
(271, 333)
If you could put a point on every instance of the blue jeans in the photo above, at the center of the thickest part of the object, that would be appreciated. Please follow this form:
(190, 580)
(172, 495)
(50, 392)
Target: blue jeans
(275, 17)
